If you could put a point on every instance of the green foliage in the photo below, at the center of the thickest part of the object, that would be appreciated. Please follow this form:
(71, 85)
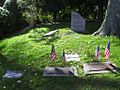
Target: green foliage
(15, 16)
(26, 54)
(3, 13)
(35, 12)
(11, 18)
(31, 10)
(1, 2)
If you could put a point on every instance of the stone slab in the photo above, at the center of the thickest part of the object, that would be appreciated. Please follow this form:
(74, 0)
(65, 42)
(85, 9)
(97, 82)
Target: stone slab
(50, 33)
(98, 67)
(72, 57)
(77, 22)
(12, 74)
(60, 71)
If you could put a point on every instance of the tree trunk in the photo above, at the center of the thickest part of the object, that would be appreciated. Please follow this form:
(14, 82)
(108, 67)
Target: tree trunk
(111, 23)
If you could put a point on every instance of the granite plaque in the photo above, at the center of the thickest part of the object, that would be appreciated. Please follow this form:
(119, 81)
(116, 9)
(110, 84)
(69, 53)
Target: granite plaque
(77, 22)
(60, 71)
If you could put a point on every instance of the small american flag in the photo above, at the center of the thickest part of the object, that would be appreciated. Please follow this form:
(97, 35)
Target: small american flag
(107, 51)
(97, 54)
(63, 56)
(53, 53)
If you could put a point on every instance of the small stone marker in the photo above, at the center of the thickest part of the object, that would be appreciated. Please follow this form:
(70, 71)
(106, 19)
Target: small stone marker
(77, 22)
(98, 67)
(13, 74)
(50, 33)
(60, 71)
(72, 57)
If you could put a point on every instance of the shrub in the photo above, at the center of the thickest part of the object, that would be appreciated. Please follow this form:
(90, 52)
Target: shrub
(11, 18)
(3, 15)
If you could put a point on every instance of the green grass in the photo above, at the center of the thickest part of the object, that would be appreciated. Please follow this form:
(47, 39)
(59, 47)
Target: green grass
(29, 53)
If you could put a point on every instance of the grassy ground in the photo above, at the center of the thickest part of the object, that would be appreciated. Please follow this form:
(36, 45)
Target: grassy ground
(29, 53)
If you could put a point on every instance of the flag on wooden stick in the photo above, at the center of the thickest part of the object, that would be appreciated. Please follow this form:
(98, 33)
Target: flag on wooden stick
(107, 51)
(53, 53)
(97, 54)
(63, 55)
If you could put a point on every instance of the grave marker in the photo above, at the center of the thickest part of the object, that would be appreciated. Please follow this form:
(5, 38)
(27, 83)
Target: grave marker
(50, 33)
(13, 74)
(60, 71)
(77, 22)
(98, 67)
(72, 57)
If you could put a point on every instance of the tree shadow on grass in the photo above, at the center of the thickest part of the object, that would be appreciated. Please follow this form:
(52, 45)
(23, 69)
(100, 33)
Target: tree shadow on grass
(33, 79)
(60, 25)
(22, 83)
(116, 43)
(78, 83)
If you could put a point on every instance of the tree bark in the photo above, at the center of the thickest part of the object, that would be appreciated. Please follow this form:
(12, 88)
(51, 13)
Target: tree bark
(111, 23)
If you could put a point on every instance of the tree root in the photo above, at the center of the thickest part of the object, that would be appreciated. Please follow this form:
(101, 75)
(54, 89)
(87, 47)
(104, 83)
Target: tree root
(96, 33)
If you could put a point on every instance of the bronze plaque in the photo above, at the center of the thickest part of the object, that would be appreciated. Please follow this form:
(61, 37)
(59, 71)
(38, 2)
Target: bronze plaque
(98, 67)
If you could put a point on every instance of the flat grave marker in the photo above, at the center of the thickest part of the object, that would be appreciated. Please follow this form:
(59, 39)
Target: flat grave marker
(50, 33)
(60, 71)
(12, 74)
(98, 67)
(72, 57)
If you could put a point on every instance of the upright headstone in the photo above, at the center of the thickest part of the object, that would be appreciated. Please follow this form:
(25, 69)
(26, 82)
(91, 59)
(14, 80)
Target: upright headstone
(77, 22)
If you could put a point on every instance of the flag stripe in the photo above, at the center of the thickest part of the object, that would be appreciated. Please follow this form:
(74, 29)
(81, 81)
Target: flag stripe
(107, 51)
(53, 53)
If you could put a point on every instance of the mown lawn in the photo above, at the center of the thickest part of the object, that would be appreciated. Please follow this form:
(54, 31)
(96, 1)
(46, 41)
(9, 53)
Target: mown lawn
(30, 54)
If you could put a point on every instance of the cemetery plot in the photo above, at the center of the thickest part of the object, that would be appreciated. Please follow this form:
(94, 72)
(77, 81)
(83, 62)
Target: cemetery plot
(60, 71)
(98, 67)
(72, 57)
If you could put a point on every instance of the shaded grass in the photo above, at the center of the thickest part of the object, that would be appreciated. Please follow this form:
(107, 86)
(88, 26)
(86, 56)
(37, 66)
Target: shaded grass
(30, 53)
(90, 26)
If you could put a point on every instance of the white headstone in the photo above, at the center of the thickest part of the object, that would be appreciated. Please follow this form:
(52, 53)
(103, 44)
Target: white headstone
(72, 57)
(77, 22)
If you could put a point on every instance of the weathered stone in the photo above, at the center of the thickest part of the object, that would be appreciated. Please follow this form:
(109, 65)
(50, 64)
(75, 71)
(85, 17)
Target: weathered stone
(77, 22)
(98, 67)
(60, 71)
(50, 33)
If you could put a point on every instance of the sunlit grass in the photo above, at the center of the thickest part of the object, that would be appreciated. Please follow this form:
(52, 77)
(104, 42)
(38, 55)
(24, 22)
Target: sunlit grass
(30, 53)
